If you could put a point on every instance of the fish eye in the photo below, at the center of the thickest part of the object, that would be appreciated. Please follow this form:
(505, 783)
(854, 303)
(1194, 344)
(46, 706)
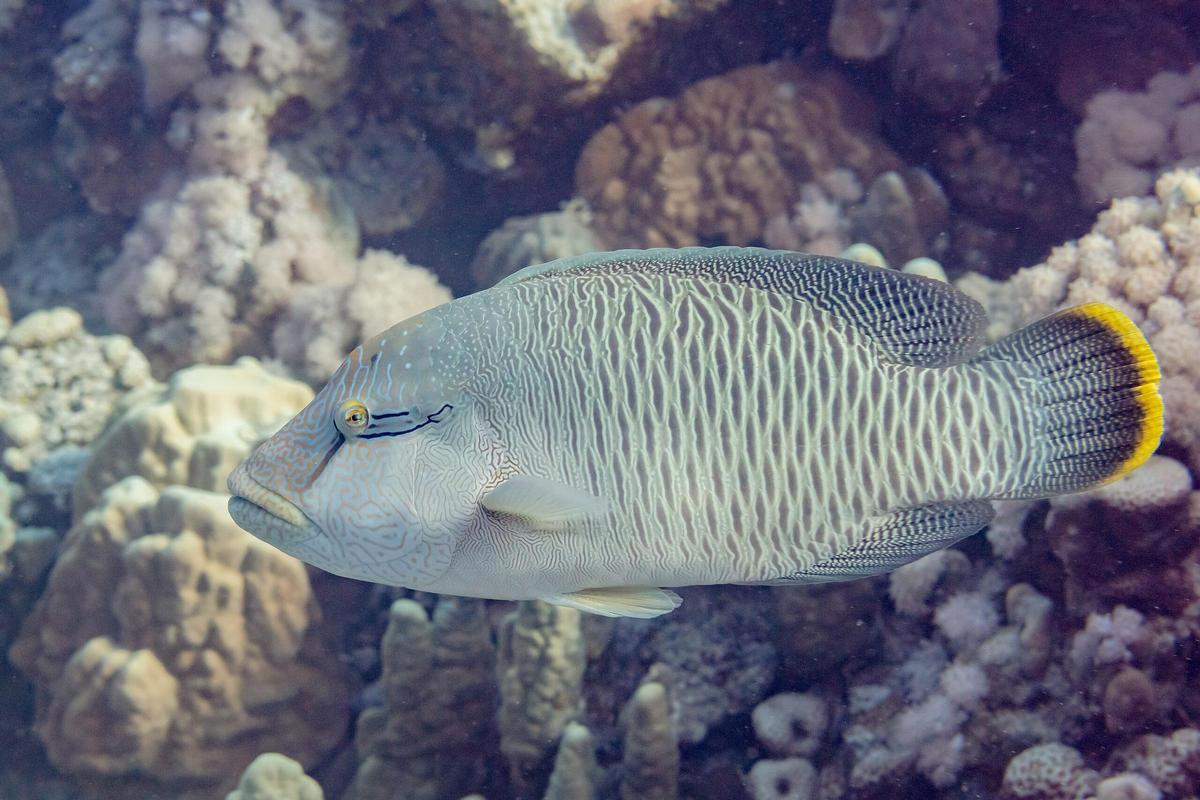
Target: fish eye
(352, 417)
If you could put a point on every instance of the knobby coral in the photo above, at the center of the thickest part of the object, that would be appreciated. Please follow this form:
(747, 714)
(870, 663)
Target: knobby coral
(726, 156)
(169, 646)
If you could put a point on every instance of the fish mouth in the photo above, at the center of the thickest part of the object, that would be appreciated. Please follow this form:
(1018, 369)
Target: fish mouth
(265, 513)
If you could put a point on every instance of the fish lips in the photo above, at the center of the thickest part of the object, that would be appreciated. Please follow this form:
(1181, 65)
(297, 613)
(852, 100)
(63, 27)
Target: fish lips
(266, 514)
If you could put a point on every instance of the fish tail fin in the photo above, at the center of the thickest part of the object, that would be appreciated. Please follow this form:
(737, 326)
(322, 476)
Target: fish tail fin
(1092, 382)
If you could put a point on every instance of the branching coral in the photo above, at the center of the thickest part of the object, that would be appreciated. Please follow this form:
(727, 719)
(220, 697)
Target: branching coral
(541, 661)
(169, 645)
(575, 769)
(1127, 138)
(1142, 256)
(726, 156)
(650, 758)
(58, 384)
(321, 323)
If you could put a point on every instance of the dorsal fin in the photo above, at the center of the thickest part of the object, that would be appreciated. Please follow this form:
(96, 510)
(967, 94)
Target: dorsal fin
(914, 320)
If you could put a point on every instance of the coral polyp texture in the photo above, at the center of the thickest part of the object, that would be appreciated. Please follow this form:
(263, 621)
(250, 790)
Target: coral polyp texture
(726, 156)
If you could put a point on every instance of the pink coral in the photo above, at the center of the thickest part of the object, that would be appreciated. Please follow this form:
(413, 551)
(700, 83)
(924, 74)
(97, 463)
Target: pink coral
(1142, 256)
(1128, 137)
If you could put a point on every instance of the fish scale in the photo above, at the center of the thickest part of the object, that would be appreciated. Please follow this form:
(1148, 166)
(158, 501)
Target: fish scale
(780, 495)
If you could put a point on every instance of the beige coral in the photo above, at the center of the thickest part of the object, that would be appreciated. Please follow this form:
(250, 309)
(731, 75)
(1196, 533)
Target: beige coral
(170, 646)
(726, 156)
(426, 741)
(272, 776)
(191, 431)
(651, 747)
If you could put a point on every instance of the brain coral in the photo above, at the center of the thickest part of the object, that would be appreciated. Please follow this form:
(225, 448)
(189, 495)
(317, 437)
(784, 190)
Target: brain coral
(726, 156)
(171, 646)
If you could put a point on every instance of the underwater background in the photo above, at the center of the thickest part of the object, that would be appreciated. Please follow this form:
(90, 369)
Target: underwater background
(205, 203)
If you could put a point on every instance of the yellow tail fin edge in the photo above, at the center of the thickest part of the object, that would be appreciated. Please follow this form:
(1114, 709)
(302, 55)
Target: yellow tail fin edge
(1146, 393)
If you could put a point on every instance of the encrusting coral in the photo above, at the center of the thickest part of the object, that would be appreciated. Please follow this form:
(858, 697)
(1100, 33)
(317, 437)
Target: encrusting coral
(169, 646)
(1157, 512)
(726, 156)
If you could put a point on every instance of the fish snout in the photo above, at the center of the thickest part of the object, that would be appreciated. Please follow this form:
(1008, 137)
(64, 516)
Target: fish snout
(241, 484)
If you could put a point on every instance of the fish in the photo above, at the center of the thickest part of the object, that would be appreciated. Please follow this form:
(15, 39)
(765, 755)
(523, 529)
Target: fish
(599, 430)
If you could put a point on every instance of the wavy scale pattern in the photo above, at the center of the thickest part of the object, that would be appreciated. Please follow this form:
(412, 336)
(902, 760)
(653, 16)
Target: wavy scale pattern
(738, 433)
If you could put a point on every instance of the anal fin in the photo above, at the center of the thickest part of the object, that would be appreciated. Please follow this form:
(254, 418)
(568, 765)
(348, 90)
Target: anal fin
(897, 538)
(640, 602)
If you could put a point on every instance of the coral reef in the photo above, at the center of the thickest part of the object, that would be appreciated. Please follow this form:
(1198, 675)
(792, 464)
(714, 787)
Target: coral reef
(192, 431)
(569, 51)
(168, 646)
(272, 776)
(524, 241)
(726, 156)
(540, 666)
(1128, 138)
(948, 55)
(1141, 256)
(58, 385)
(429, 737)
(242, 190)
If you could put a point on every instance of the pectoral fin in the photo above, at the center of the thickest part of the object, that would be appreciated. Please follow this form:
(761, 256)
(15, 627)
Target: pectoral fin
(543, 503)
(640, 602)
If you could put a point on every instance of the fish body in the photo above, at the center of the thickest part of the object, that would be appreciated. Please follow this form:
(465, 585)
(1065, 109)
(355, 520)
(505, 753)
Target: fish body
(593, 430)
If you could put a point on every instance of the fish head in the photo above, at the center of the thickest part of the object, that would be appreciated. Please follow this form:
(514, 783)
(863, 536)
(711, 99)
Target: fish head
(379, 476)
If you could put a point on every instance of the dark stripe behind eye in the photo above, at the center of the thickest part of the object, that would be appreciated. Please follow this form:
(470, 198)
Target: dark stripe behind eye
(389, 416)
(432, 418)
